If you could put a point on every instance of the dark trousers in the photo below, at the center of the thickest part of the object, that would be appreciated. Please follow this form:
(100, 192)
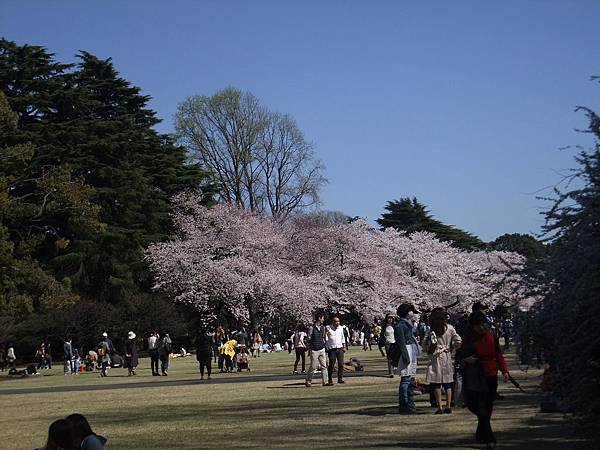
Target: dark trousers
(205, 363)
(289, 346)
(300, 353)
(336, 354)
(154, 361)
(481, 403)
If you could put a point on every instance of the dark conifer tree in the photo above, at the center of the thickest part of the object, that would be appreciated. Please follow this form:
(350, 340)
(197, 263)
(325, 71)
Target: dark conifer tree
(410, 215)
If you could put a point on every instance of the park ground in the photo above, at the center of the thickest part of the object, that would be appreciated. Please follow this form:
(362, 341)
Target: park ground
(262, 409)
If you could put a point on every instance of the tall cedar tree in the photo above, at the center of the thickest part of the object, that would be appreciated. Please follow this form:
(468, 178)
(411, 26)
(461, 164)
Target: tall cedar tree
(30, 208)
(410, 215)
(569, 316)
(87, 117)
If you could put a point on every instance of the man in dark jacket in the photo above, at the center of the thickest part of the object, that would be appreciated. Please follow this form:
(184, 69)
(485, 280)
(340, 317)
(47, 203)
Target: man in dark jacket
(316, 346)
(405, 339)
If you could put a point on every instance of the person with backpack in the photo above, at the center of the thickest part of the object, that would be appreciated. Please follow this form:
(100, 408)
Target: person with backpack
(103, 351)
(316, 346)
(153, 352)
(300, 346)
(68, 357)
(336, 345)
(165, 347)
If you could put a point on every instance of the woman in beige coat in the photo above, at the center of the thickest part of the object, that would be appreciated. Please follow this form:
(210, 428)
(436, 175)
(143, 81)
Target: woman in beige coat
(440, 343)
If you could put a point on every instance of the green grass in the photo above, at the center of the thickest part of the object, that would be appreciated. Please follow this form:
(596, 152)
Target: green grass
(277, 414)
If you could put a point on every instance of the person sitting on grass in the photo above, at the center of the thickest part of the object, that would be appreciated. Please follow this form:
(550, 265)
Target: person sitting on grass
(82, 436)
(60, 436)
(242, 358)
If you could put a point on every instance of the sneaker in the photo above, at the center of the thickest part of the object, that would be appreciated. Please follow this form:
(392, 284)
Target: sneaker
(295, 372)
(341, 382)
(328, 384)
(447, 410)
(307, 384)
(439, 411)
(303, 372)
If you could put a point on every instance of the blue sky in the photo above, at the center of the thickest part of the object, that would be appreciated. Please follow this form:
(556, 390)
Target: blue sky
(463, 104)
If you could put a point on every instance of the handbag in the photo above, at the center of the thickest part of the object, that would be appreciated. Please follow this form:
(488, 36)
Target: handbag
(394, 353)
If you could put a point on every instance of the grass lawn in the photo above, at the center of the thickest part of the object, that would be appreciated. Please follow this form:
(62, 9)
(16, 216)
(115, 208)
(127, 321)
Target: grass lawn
(268, 414)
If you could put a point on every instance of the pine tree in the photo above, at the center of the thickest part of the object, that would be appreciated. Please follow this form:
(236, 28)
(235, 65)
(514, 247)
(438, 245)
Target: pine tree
(410, 215)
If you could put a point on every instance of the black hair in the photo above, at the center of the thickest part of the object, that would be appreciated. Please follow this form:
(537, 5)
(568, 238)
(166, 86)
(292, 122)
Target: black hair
(404, 309)
(60, 434)
(319, 314)
(80, 426)
(437, 320)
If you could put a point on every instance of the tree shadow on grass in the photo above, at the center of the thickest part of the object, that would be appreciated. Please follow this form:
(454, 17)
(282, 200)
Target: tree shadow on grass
(288, 386)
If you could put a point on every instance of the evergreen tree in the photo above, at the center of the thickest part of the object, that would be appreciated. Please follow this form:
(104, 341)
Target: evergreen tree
(36, 211)
(524, 244)
(87, 117)
(410, 215)
(569, 316)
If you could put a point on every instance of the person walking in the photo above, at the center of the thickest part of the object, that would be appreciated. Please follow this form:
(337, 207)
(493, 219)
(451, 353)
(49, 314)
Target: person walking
(407, 363)
(204, 352)
(153, 352)
(68, 357)
(336, 344)
(480, 358)
(289, 341)
(388, 335)
(131, 354)
(165, 347)
(439, 343)
(316, 346)
(300, 346)
(109, 343)
(104, 355)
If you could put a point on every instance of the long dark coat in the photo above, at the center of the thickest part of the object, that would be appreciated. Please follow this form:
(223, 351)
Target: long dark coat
(131, 355)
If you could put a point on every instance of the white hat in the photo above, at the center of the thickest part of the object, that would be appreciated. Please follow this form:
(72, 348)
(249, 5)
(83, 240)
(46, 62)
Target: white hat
(131, 335)
(105, 334)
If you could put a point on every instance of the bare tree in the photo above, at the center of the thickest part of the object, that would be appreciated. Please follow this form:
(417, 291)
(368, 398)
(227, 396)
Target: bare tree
(259, 158)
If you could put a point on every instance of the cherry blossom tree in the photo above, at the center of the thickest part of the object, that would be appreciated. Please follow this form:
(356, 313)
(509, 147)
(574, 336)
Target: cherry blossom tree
(229, 259)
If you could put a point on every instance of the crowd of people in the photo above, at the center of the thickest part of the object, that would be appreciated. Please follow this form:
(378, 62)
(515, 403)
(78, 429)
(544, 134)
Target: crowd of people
(463, 359)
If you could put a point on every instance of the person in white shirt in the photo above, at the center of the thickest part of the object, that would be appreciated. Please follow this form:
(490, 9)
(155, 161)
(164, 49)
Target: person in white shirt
(388, 333)
(336, 345)
(153, 350)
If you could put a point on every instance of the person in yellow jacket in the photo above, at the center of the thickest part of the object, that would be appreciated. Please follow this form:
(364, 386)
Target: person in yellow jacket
(228, 352)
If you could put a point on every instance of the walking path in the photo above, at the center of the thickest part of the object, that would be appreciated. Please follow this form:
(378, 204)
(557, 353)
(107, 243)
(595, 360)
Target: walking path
(224, 379)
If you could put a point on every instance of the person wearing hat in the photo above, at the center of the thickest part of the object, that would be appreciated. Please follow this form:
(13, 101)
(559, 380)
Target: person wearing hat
(109, 343)
(103, 350)
(131, 354)
(409, 351)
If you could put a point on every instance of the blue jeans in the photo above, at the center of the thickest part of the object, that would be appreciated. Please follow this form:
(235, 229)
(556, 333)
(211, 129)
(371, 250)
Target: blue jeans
(164, 363)
(406, 401)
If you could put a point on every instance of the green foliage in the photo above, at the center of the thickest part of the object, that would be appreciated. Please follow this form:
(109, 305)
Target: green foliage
(524, 244)
(569, 315)
(96, 150)
(25, 220)
(409, 215)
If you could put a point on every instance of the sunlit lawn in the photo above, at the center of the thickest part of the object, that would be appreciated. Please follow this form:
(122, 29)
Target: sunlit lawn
(269, 414)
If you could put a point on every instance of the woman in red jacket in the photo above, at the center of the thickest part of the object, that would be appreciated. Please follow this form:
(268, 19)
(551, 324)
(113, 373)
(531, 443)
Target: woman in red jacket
(481, 358)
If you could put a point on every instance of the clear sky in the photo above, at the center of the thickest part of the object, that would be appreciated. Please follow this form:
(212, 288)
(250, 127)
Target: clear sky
(463, 104)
